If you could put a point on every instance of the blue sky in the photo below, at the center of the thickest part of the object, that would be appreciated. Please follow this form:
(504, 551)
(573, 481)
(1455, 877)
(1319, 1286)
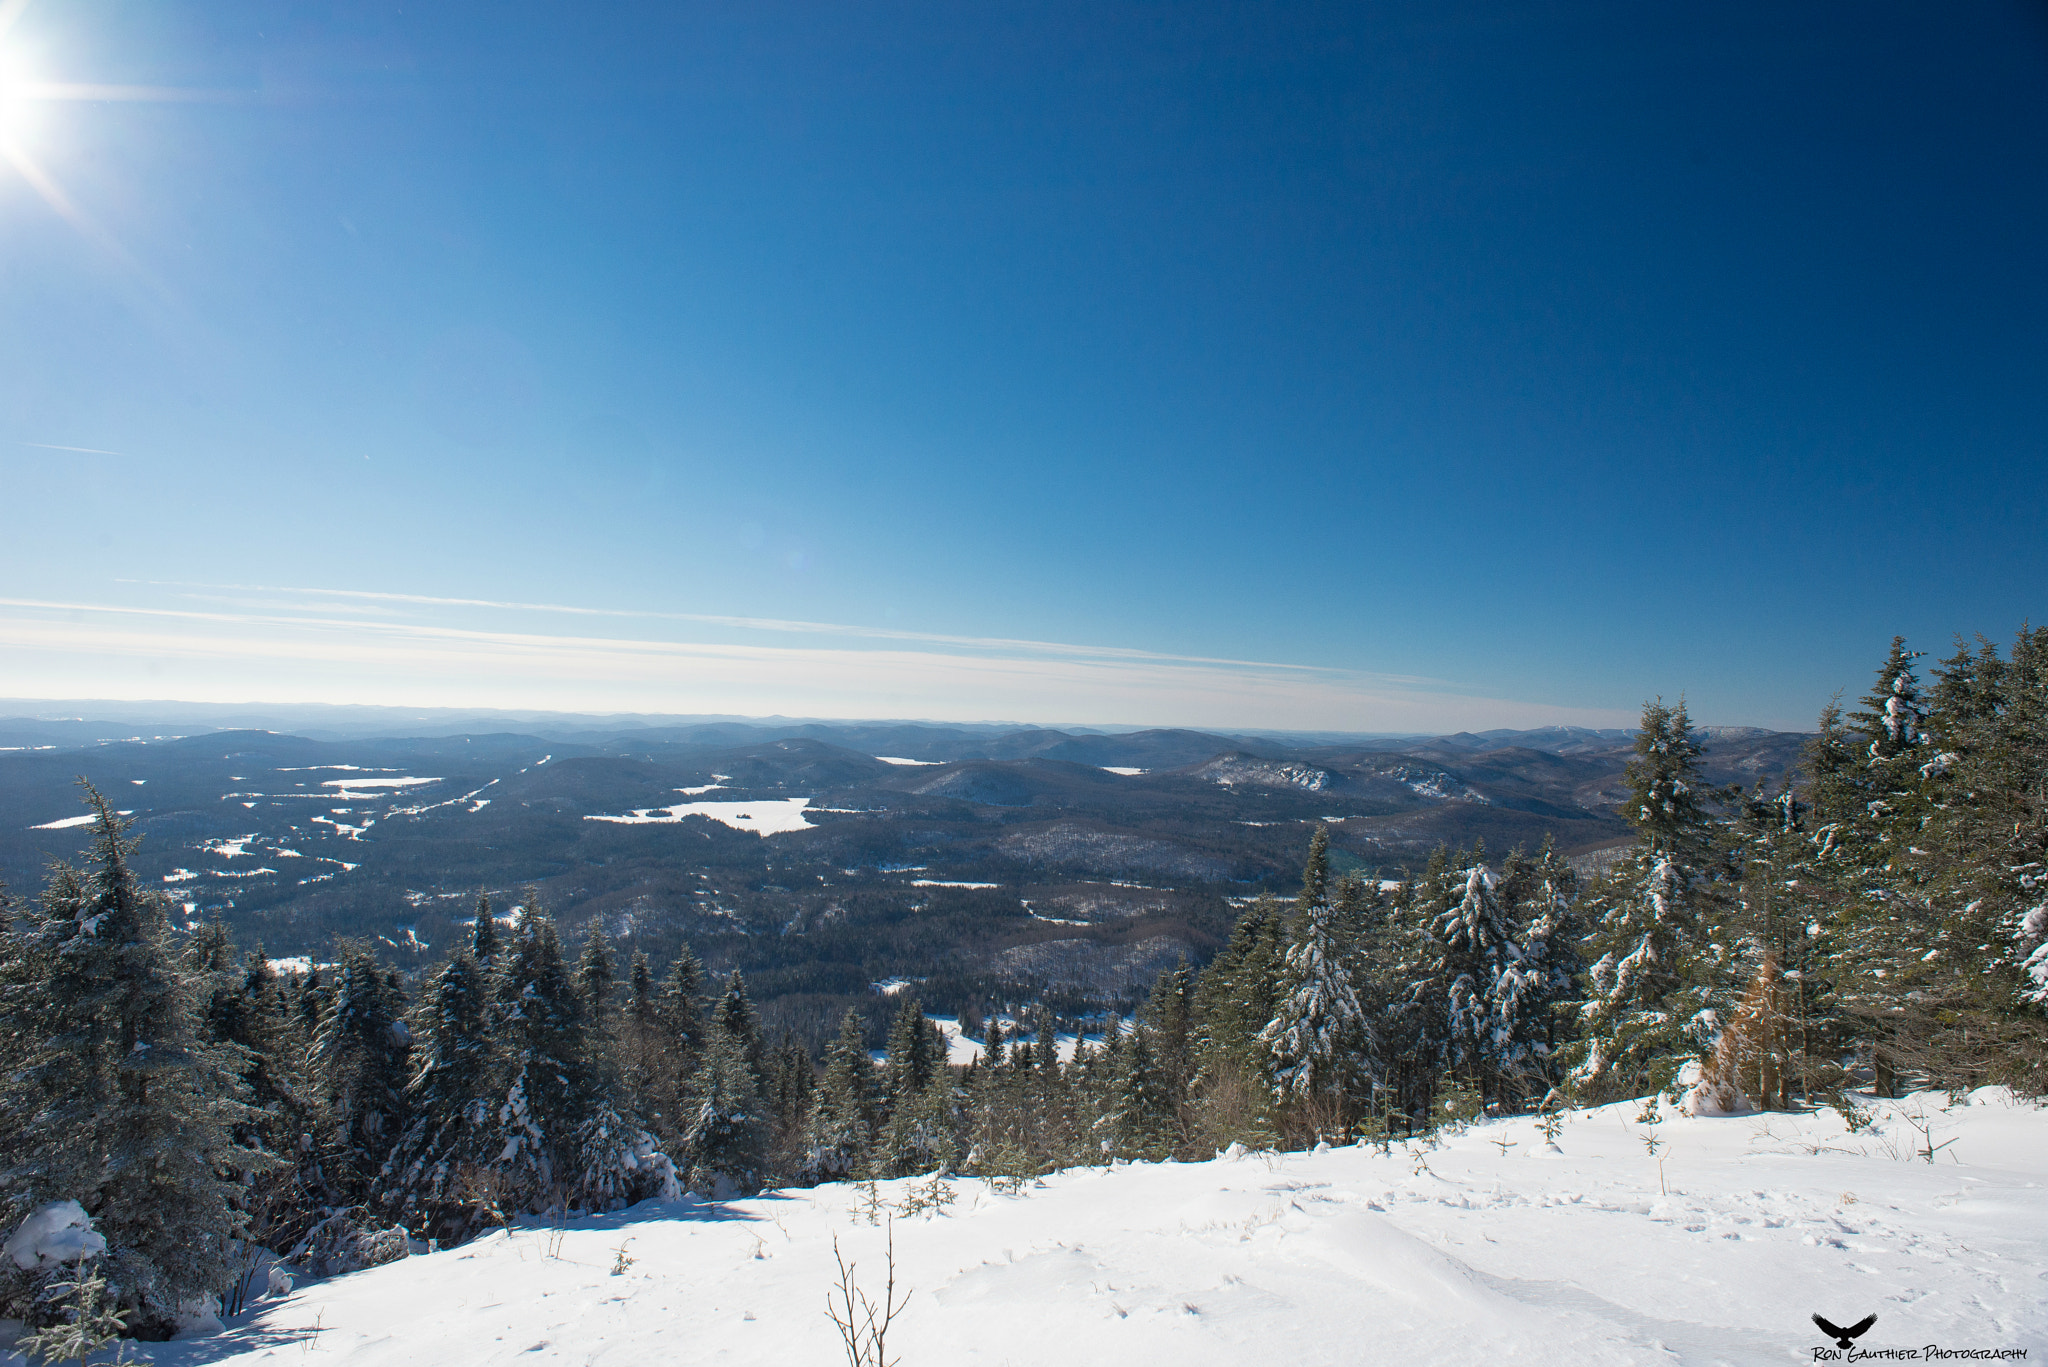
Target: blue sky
(1370, 367)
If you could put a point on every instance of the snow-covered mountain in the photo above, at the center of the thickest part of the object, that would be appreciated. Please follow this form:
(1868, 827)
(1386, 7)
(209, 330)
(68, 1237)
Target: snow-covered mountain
(1494, 1247)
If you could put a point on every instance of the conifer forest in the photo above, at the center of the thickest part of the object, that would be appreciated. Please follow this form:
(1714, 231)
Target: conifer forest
(1879, 921)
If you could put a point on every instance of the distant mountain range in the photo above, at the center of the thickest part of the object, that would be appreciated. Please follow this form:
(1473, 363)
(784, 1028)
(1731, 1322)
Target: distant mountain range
(819, 857)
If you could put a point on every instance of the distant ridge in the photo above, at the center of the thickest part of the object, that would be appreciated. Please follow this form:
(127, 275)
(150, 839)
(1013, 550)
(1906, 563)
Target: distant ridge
(73, 722)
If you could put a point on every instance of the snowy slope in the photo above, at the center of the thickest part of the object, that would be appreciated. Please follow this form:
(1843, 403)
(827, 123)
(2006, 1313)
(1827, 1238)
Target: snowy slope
(1461, 1255)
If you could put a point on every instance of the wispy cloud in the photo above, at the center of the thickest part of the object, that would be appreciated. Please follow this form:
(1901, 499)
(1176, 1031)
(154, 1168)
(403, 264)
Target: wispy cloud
(78, 649)
(774, 624)
(82, 450)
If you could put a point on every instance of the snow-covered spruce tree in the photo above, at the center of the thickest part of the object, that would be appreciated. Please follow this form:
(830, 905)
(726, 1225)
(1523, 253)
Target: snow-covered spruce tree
(1480, 967)
(115, 1097)
(925, 1131)
(430, 1182)
(1167, 1022)
(1532, 1007)
(1784, 1037)
(907, 1067)
(1873, 783)
(1982, 857)
(1319, 1040)
(1656, 970)
(1143, 1123)
(1996, 715)
(842, 1118)
(358, 1063)
(1413, 1027)
(245, 1009)
(726, 1143)
(249, 1010)
(563, 1141)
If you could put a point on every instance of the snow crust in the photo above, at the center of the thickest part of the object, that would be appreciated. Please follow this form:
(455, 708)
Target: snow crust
(1714, 1250)
(898, 759)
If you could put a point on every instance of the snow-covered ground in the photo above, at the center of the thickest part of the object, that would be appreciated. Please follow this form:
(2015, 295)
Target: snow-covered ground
(1715, 1250)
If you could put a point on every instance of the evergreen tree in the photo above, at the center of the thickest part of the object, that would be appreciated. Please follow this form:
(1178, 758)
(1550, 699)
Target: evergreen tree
(429, 1180)
(1873, 900)
(726, 1141)
(1413, 1026)
(483, 933)
(842, 1120)
(116, 1097)
(792, 1085)
(736, 1016)
(909, 1063)
(1167, 1024)
(1234, 999)
(1319, 1040)
(924, 1132)
(1481, 967)
(1657, 970)
(1143, 1122)
(539, 1022)
(1315, 874)
(682, 1010)
(594, 974)
(673, 1049)
(358, 1062)
(1533, 1005)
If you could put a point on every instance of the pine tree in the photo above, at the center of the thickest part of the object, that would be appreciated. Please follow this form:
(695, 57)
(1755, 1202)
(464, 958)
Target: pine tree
(1872, 787)
(538, 1021)
(1657, 970)
(673, 1050)
(1414, 1043)
(1167, 1023)
(682, 1010)
(1531, 1005)
(1234, 999)
(1143, 1123)
(925, 1132)
(483, 933)
(1318, 1039)
(842, 1120)
(594, 974)
(736, 1016)
(791, 1088)
(1480, 965)
(358, 1062)
(1955, 921)
(909, 1064)
(428, 1182)
(567, 1142)
(116, 1098)
(726, 1141)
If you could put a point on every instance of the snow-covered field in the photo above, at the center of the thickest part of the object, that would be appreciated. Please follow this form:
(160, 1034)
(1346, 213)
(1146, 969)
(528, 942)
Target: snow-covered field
(1715, 1250)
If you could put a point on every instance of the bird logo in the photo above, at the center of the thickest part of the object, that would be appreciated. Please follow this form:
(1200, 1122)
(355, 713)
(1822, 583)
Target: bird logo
(1845, 1338)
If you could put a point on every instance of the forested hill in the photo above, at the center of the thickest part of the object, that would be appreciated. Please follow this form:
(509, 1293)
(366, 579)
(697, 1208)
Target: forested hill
(819, 858)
